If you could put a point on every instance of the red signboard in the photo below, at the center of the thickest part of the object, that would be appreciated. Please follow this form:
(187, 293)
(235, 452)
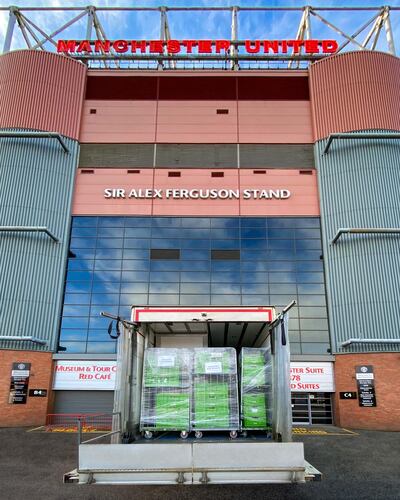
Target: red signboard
(195, 46)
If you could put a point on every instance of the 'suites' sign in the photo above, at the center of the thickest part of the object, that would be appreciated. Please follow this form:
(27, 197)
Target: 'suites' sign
(311, 377)
(124, 46)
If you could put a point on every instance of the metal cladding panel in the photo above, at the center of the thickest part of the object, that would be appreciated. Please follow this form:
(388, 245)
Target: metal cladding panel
(359, 183)
(37, 179)
(40, 90)
(116, 155)
(355, 91)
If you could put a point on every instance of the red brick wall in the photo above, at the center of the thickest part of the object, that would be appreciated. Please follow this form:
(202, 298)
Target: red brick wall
(386, 415)
(33, 413)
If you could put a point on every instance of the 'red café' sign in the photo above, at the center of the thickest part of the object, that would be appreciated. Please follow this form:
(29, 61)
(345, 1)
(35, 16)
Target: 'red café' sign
(195, 46)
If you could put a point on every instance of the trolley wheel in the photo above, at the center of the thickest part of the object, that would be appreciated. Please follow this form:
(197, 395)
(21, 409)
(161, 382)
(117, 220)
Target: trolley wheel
(198, 434)
(148, 434)
(184, 434)
(233, 434)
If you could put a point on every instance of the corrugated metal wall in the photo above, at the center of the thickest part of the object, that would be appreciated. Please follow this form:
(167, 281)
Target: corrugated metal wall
(36, 178)
(359, 182)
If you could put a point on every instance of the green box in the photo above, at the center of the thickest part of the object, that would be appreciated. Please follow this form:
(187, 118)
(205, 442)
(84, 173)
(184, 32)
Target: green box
(172, 411)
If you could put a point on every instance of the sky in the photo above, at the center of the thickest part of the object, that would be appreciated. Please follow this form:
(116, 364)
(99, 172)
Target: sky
(211, 24)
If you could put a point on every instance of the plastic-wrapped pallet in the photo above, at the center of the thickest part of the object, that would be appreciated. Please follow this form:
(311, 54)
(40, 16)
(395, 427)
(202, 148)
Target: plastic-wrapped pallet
(255, 388)
(166, 390)
(215, 390)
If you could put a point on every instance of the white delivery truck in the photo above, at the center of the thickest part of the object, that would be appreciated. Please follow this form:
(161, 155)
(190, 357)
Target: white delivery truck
(127, 455)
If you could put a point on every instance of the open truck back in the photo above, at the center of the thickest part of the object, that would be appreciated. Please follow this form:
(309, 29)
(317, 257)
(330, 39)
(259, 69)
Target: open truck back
(171, 458)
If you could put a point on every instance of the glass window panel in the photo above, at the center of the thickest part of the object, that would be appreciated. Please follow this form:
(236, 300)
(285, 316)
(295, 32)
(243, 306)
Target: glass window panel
(279, 288)
(293, 324)
(83, 242)
(161, 244)
(303, 266)
(313, 312)
(228, 288)
(96, 310)
(137, 232)
(195, 277)
(253, 232)
(225, 222)
(313, 324)
(111, 232)
(80, 323)
(111, 221)
(101, 347)
(225, 233)
(100, 336)
(280, 300)
(222, 265)
(195, 222)
(106, 287)
(109, 253)
(225, 300)
(225, 244)
(254, 288)
(202, 288)
(308, 255)
(163, 300)
(136, 287)
(135, 265)
(283, 254)
(280, 233)
(308, 244)
(165, 265)
(195, 244)
(254, 278)
(254, 266)
(74, 335)
(102, 276)
(75, 310)
(195, 254)
(195, 233)
(315, 336)
(107, 265)
(277, 222)
(136, 243)
(84, 221)
(82, 253)
(308, 233)
(167, 232)
(90, 232)
(80, 265)
(294, 347)
(310, 277)
(284, 265)
(195, 300)
(78, 286)
(134, 276)
(76, 298)
(73, 347)
(136, 253)
(79, 275)
(312, 300)
(164, 276)
(109, 242)
(105, 298)
(282, 277)
(254, 244)
(293, 337)
(224, 277)
(313, 288)
(166, 222)
(137, 221)
(195, 265)
(255, 300)
(164, 288)
(314, 348)
(281, 245)
(99, 322)
(125, 311)
(252, 222)
(134, 299)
